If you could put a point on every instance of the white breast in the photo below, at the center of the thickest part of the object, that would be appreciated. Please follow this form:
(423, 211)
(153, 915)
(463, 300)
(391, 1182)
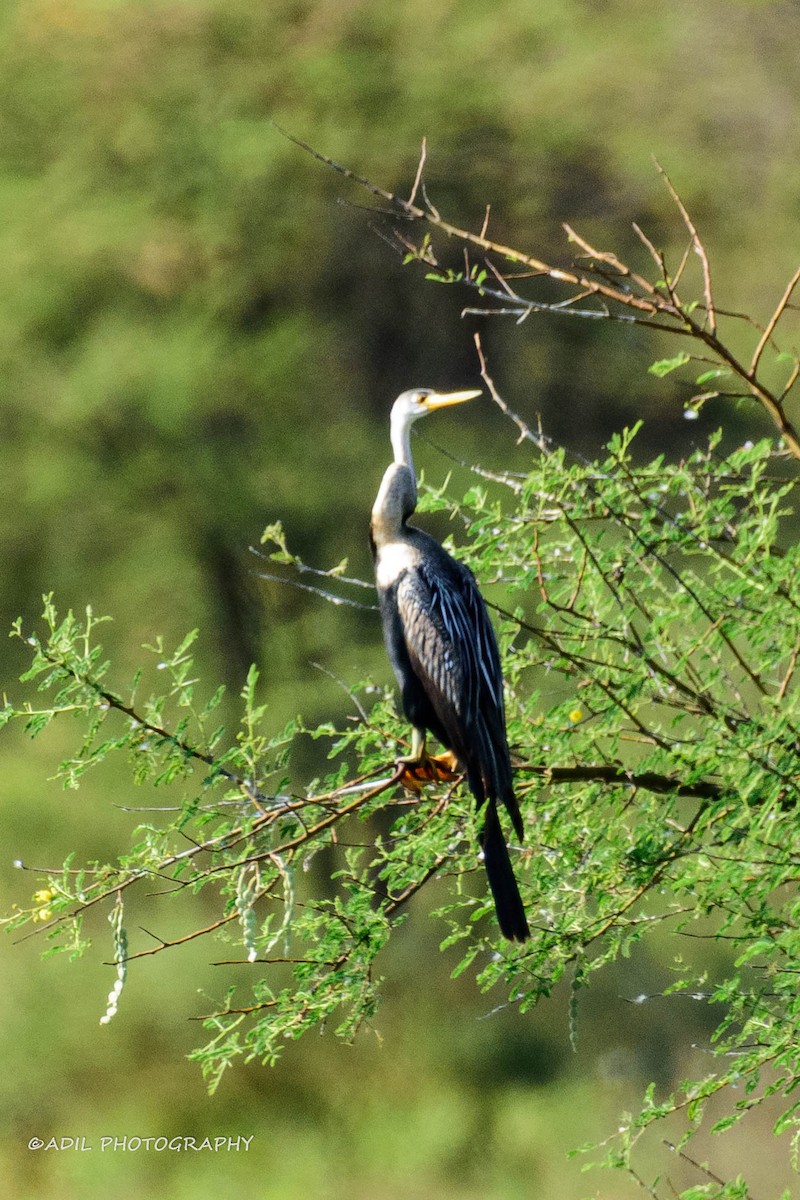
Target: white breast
(393, 559)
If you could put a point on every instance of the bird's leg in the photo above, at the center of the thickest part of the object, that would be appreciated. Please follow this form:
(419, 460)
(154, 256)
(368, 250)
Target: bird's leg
(418, 751)
(419, 754)
(413, 768)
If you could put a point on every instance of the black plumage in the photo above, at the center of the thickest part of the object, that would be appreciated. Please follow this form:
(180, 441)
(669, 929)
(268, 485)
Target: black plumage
(444, 654)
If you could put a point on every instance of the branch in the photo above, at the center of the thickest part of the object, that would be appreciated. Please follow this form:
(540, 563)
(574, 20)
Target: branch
(643, 302)
(698, 248)
(429, 215)
(773, 321)
(650, 781)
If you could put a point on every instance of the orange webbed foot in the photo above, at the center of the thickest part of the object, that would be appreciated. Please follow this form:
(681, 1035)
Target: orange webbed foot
(415, 773)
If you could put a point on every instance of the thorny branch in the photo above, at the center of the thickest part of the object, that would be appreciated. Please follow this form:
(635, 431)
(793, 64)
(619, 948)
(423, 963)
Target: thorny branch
(340, 803)
(619, 292)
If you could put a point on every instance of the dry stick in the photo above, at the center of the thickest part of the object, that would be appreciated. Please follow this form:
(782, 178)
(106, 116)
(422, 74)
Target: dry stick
(525, 433)
(699, 249)
(165, 945)
(278, 959)
(770, 403)
(682, 265)
(655, 254)
(420, 168)
(790, 670)
(609, 258)
(791, 381)
(773, 321)
(700, 1166)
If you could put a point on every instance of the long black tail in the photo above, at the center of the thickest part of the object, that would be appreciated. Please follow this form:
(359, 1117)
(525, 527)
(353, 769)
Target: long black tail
(507, 900)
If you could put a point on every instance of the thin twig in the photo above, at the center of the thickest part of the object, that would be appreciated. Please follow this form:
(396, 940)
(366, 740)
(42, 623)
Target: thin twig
(692, 1162)
(331, 597)
(525, 433)
(773, 321)
(790, 670)
(418, 177)
(682, 265)
(699, 249)
(611, 259)
(791, 381)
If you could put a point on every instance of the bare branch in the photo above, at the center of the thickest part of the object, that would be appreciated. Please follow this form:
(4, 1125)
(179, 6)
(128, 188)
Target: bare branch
(331, 597)
(524, 432)
(791, 381)
(699, 249)
(656, 255)
(611, 259)
(431, 209)
(420, 167)
(189, 937)
(790, 670)
(681, 266)
(653, 309)
(773, 321)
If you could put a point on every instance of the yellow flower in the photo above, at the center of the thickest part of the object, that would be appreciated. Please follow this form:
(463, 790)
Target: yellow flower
(575, 716)
(43, 896)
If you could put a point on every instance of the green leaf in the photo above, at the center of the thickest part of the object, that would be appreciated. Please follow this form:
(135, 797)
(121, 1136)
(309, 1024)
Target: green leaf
(664, 366)
(707, 376)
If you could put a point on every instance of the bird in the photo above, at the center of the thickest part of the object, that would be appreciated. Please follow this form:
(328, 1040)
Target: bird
(444, 653)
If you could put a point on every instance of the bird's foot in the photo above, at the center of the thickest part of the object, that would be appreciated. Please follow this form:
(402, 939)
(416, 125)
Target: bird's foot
(415, 771)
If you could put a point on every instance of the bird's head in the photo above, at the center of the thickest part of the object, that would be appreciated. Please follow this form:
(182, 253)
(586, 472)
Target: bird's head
(397, 497)
(418, 402)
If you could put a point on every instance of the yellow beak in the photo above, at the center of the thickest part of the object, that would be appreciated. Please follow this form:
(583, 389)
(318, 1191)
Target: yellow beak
(442, 399)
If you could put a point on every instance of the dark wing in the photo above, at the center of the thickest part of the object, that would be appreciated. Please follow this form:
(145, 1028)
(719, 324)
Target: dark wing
(453, 652)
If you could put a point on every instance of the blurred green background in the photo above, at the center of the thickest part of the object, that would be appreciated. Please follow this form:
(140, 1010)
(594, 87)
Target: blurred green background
(196, 339)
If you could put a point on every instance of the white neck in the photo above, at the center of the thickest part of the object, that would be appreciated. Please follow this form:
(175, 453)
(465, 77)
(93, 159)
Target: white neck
(400, 434)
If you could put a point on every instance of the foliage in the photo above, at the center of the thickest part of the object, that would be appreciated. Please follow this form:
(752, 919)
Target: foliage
(649, 627)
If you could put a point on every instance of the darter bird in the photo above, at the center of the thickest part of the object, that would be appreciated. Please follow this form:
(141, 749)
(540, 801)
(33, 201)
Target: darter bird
(444, 652)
